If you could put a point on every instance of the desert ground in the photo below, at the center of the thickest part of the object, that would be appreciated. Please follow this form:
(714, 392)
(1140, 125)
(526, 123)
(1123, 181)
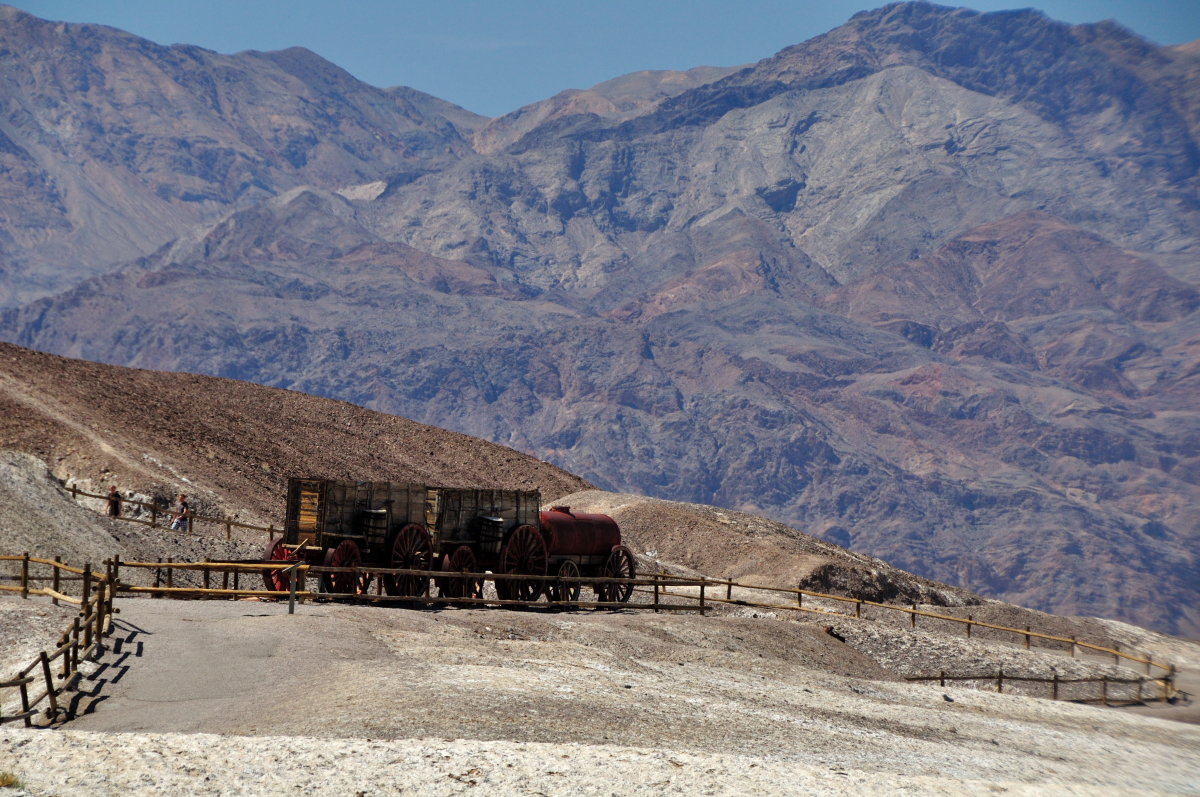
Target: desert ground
(238, 697)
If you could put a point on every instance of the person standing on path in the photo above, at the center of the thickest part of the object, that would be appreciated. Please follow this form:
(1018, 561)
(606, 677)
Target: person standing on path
(114, 502)
(180, 521)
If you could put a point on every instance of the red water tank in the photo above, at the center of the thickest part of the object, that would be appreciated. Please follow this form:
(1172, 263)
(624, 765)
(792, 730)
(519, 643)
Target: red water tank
(570, 533)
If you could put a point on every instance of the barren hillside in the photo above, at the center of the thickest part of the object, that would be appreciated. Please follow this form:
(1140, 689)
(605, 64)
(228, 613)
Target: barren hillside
(230, 445)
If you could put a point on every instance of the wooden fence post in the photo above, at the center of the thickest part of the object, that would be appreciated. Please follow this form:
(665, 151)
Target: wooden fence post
(225, 578)
(170, 573)
(50, 693)
(25, 576)
(74, 645)
(1054, 693)
(153, 516)
(55, 580)
(236, 573)
(729, 589)
(1072, 647)
(25, 705)
(942, 678)
(86, 592)
(98, 617)
(112, 591)
(858, 609)
(912, 618)
(270, 532)
(1027, 637)
(206, 576)
(228, 530)
(799, 597)
(87, 631)
(656, 593)
(702, 596)
(968, 626)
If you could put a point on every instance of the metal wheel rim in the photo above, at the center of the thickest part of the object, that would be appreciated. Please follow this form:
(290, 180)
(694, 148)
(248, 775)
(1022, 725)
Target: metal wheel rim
(525, 554)
(412, 550)
(346, 554)
(277, 580)
(461, 561)
(619, 565)
(565, 591)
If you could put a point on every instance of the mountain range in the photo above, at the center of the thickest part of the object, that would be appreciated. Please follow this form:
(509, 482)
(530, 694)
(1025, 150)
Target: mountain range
(925, 285)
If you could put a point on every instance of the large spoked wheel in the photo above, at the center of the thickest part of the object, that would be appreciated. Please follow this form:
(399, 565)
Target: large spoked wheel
(618, 565)
(461, 561)
(412, 550)
(564, 591)
(525, 554)
(346, 554)
(278, 580)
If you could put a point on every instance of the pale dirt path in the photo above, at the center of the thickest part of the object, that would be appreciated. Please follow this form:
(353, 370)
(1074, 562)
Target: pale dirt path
(368, 699)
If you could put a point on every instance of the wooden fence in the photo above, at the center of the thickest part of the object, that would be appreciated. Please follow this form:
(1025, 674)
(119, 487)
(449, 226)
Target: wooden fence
(191, 517)
(1026, 634)
(1023, 634)
(1110, 690)
(82, 639)
(84, 636)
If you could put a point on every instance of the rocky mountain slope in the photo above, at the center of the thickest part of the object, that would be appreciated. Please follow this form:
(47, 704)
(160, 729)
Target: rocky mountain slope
(925, 285)
(112, 145)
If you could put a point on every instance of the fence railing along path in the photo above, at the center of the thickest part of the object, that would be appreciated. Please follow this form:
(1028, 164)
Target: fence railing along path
(81, 640)
(1026, 634)
(1163, 687)
(912, 612)
(191, 517)
(97, 593)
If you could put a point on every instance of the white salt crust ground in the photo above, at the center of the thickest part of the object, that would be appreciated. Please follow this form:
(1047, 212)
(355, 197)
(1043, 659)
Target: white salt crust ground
(78, 763)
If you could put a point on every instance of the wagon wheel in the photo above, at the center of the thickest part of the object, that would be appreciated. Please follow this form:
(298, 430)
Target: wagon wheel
(346, 554)
(412, 550)
(278, 580)
(525, 554)
(461, 561)
(567, 591)
(618, 565)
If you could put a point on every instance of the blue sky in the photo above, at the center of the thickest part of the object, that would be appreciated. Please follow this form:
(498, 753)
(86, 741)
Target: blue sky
(493, 57)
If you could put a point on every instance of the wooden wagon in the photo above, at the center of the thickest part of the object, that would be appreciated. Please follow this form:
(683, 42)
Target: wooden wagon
(454, 531)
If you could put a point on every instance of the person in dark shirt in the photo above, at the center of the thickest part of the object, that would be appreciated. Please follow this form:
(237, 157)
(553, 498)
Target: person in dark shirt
(114, 502)
(180, 521)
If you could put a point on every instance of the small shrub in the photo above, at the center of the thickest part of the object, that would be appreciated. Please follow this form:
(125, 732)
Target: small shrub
(9, 780)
